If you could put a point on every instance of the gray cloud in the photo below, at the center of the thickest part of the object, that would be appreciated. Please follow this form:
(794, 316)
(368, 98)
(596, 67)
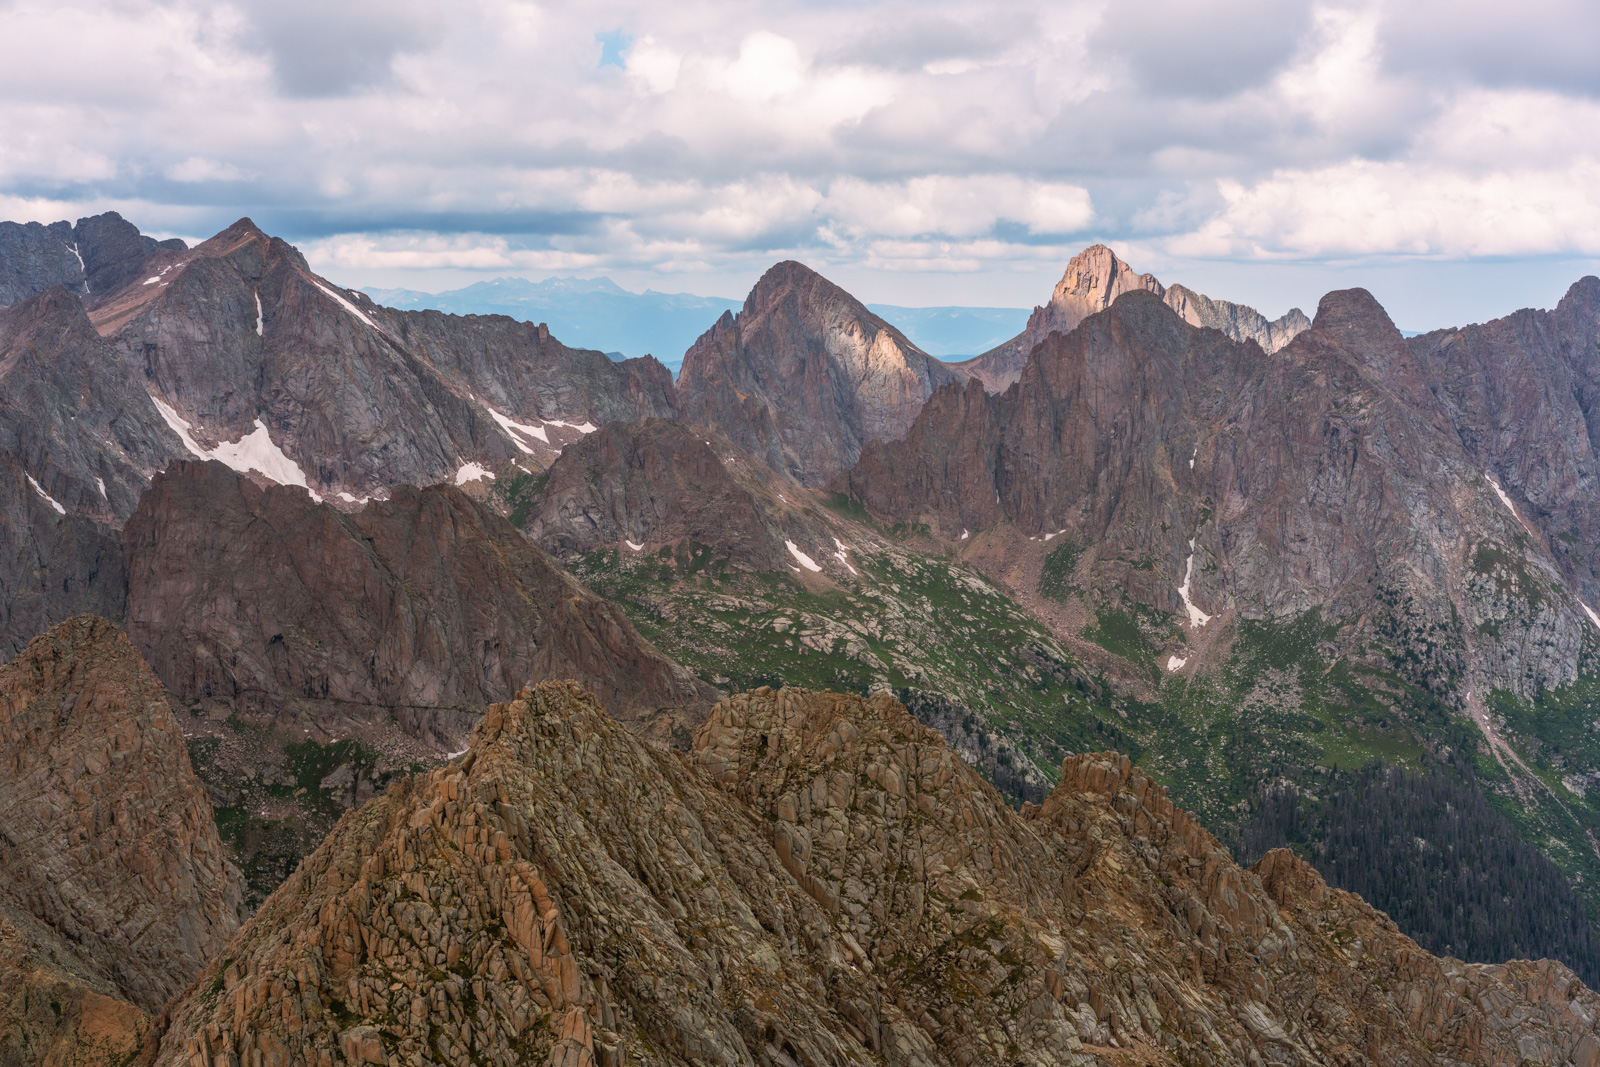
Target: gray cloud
(1204, 49)
(321, 49)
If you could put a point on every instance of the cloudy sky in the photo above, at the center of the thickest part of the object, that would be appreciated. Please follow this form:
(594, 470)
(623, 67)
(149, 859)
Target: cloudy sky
(1446, 155)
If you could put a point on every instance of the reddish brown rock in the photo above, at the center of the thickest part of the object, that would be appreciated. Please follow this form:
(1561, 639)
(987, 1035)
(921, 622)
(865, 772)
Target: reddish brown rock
(114, 890)
(1315, 477)
(824, 882)
(805, 375)
(1094, 278)
(426, 606)
(662, 482)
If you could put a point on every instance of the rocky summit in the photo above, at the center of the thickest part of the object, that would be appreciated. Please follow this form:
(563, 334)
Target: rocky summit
(1094, 278)
(805, 375)
(115, 890)
(822, 882)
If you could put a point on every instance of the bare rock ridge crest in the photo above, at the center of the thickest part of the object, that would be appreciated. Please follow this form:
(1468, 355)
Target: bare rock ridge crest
(1093, 279)
(822, 882)
(116, 890)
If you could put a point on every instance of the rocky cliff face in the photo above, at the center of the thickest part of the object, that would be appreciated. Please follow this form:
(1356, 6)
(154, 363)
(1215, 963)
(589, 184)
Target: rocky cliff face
(805, 375)
(1520, 393)
(78, 439)
(113, 887)
(823, 882)
(1094, 278)
(426, 606)
(98, 256)
(659, 482)
(1209, 478)
(264, 365)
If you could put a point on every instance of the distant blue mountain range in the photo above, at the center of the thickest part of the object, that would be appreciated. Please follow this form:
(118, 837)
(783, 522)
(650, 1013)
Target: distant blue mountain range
(598, 313)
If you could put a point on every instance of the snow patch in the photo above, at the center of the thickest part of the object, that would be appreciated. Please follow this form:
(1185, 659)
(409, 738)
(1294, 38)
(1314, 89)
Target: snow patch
(805, 561)
(260, 321)
(37, 488)
(1587, 610)
(348, 499)
(347, 305)
(630, 544)
(964, 534)
(101, 484)
(1048, 536)
(513, 429)
(151, 281)
(472, 472)
(254, 451)
(1501, 493)
(1191, 458)
(1176, 662)
(582, 427)
(1197, 618)
(841, 555)
(81, 267)
(453, 755)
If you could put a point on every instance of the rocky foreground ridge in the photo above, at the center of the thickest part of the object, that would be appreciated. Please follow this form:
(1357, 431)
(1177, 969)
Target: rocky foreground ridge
(114, 889)
(822, 882)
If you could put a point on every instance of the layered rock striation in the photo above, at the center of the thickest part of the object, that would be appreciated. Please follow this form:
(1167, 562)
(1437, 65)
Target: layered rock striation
(822, 881)
(805, 375)
(114, 889)
(427, 606)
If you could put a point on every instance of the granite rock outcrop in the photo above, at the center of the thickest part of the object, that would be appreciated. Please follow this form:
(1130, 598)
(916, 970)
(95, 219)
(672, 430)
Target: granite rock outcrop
(805, 375)
(114, 888)
(822, 881)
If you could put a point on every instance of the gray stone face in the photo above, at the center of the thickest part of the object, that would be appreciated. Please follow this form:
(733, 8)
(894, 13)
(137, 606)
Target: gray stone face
(805, 375)
(96, 257)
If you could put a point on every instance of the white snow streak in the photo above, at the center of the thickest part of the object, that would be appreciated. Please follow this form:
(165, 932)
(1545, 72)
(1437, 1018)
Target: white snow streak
(630, 544)
(582, 427)
(37, 488)
(260, 321)
(805, 561)
(513, 429)
(1197, 618)
(471, 472)
(348, 499)
(840, 555)
(151, 281)
(1191, 458)
(101, 482)
(1176, 662)
(81, 267)
(453, 755)
(1506, 500)
(1587, 610)
(964, 533)
(252, 452)
(342, 302)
